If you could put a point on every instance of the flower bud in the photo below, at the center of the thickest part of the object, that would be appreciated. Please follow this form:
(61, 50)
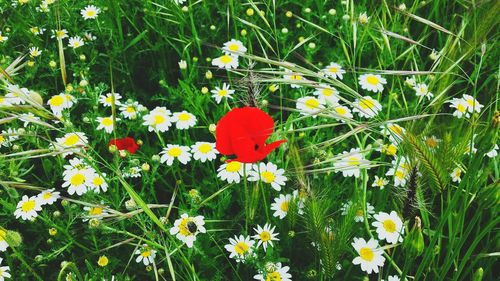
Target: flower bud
(250, 12)
(332, 12)
(145, 167)
(52, 231)
(212, 128)
(478, 275)
(414, 241)
(289, 14)
(208, 74)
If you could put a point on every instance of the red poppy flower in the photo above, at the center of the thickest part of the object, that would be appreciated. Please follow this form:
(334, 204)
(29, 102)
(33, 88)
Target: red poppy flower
(127, 144)
(243, 132)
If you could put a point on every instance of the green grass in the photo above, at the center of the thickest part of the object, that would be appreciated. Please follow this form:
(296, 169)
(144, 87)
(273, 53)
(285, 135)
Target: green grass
(136, 53)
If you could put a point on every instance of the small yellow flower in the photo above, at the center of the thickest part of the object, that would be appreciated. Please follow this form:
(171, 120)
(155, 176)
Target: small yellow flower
(52, 231)
(102, 261)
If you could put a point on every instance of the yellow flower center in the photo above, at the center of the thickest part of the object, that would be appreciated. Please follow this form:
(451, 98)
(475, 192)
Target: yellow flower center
(353, 161)
(366, 254)
(47, 195)
(273, 276)
(233, 47)
(2, 139)
(366, 104)
(268, 177)
(56, 101)
(107, 122)
(130, 109)
(241, 248)
(458, 173)
(146, 253)
(184, 117)
(183, 228)
(204, 148)
(399, 174)
(77, 179)
(225, 59)
(431, 142)
(60, 33)
(174, 152)
(233, 166)
(470, 102)
(312, 103)
(265, 236)
(333, 69)
(359, 213)
(295, 77)
(90, 13)
(71, 140)
(389, 226)
(158, 119)
(285, 205)
(28, 206)
(103, 261)
(396, 129)
(340, 110)
(327, 92)
(461, 107)
(222, 93)
(98, 181)
(372, 80)
(94, 211)
(2, 236)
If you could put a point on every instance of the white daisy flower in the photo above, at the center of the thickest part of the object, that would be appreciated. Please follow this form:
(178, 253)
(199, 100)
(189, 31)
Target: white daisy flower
(90, 12)
(400, 170)
(461, 108)
(394, 131)
(48, 196)
(130, 110)
(370, 255)
(98, 183)
(184, 120)
(158, 119)
(276, 272)
(108, 99)
(226, 61)
(294, 77)
(34, 52)
(431, 141)
(493, 152)
(372, 82)
(265, 236)
(106, 124)
(234, 47)
(268, 173)
(146, 255)
(60, 102)
(204, 151)
(456, 174)
(421, 90)
(78, 180)
(14, 97)
(223, 92)
(366, 107)
(28, 118)
(359, 212)
(363, 18)
(392, 278)
(389, 227)
(37, 30)
(327, 93)
(186, 228)
(94, 212)
(59, 33)
(132, 172)
(240, 247)
(4, 101)
(281, 205)
(334, 70)
(232, 171)
(380, 182)
(310, 106)
(75, 42)
(71, 142)
(472, 104)
(3, 243)
(351, 163)
(301, 195)
(174, 151)
(341, 113)
(4, 270)
(27, 208)
(3, 38)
